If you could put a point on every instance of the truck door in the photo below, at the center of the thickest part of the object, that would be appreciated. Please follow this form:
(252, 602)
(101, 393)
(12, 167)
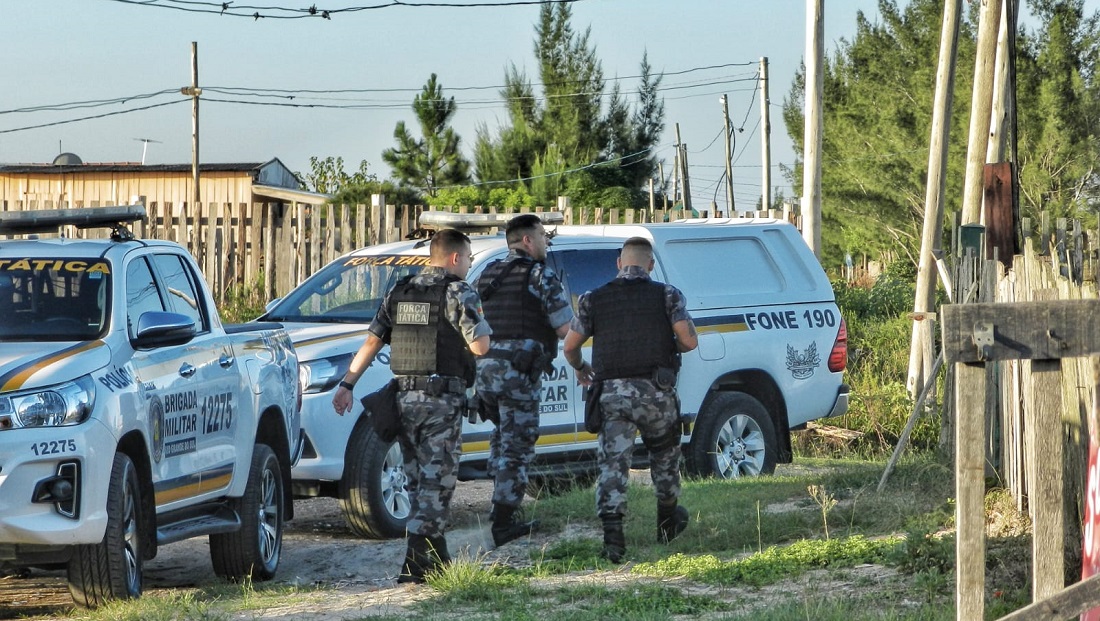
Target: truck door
(581, 269)
(173, 381)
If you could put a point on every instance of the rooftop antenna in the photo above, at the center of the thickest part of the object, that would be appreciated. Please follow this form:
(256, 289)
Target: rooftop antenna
(145, 147)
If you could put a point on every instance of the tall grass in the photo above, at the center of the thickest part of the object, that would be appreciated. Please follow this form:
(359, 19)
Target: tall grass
(879, 332)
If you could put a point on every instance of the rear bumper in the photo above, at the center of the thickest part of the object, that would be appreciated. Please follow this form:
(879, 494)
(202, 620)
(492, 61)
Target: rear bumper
(840, 406)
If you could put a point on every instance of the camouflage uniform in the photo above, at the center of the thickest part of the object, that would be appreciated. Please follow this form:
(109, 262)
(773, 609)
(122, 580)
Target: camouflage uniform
(516, 395)
(631, 405)
(432, 426)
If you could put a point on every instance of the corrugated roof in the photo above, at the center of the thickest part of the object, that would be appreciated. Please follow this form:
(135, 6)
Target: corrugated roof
(49, 169)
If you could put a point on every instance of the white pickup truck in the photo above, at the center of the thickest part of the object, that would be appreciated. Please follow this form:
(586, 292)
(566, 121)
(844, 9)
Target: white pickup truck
(772, 351)
(130, 416)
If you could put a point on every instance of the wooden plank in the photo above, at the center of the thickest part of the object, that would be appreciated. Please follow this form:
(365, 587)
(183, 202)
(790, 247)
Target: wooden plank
(1025, 330)
(1068, 603)
(266, 217)
(969, 492)
(1043, 426)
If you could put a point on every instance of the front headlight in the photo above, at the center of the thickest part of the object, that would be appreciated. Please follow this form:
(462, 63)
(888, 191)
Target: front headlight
(322, 374)
(57, 406)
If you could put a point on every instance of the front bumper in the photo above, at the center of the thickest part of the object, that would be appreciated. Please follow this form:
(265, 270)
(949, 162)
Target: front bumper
(29, 460)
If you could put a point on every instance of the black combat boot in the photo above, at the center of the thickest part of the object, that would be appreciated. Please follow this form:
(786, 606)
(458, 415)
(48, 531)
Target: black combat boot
(506, 528)
(671, 521)
(417, 560)
(614, 541)
(437, 551)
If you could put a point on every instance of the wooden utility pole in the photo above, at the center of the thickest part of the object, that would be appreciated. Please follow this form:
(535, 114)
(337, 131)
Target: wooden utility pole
(193, 92)
(980, 109)
(766, 135)
(1002, 80)
(919, 364)
(684, 170)
(664, 194)
(811, 144)
(730, 209)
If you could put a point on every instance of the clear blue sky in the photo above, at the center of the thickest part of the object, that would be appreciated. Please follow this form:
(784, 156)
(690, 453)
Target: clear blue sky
(62, 51)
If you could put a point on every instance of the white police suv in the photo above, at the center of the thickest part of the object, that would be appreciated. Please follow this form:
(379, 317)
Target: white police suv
(130, 416)
(772, 350)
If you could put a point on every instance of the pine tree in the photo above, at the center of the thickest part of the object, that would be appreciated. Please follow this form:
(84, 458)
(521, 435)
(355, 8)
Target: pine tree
(435, 160)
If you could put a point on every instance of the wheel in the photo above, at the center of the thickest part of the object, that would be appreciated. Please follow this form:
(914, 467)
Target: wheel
(111, 569)
(734, 437)
(373, 496)
(255, 549)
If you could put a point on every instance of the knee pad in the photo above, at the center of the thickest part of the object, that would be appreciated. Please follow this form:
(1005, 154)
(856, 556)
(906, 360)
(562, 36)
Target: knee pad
(662, 442)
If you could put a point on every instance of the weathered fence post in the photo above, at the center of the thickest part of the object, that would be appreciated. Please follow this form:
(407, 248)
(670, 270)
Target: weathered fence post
(1044, 332)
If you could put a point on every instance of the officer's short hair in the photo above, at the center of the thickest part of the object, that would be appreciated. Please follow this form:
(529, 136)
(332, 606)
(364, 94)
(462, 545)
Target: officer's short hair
(447, 241)
(523, 224)
(638, 246)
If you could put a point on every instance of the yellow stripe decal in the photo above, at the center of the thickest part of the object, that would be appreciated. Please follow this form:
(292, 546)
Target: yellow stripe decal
(550, 440)
(14, 379)
(325, 339)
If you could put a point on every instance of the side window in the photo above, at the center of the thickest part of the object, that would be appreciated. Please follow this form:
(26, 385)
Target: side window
(585, 269)
(179, 283)
(141, 293)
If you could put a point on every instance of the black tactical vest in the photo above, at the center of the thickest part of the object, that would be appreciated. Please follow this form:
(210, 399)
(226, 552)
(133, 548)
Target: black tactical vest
(422, 341)
(513, 312)
(631, 332)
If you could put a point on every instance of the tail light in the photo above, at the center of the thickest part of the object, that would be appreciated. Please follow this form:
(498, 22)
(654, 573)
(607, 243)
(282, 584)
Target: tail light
(838, 358)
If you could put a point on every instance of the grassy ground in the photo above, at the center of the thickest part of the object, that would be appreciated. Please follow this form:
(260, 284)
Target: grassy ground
(816, 541)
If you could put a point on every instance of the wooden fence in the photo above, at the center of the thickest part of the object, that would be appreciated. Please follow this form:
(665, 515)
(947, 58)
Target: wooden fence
(262, 250)
(1021, 358)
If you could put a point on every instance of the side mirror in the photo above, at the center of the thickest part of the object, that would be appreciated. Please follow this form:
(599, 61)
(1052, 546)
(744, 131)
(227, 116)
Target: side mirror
(159, 329)
(270, 305)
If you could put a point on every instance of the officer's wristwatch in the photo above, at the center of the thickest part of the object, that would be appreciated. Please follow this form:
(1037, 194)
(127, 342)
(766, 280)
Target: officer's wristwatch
(347, 384)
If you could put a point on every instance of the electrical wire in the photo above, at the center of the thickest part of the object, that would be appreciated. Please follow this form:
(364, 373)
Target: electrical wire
(88, 118)
(275, 12)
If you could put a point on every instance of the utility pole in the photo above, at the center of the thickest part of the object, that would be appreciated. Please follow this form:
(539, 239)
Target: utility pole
(682, 150)
(676, 173)
(730, 209)
(980, 108)
(664, 184)
(1002, 81)
(766, 135)
(920, 348)
(811, 144)
(193, 92)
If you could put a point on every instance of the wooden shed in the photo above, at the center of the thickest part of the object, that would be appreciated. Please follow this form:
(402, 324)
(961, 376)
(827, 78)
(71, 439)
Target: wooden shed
(69, 183)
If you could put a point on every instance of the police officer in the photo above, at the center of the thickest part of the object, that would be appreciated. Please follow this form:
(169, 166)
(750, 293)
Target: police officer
(639, 327)
(527, 306)
(433, 322)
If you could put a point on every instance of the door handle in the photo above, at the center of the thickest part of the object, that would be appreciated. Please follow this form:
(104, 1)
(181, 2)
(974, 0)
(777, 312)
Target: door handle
(187, 370)
(226, 361)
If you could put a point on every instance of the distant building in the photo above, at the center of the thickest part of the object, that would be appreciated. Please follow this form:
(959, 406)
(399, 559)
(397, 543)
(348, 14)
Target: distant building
(67, 182)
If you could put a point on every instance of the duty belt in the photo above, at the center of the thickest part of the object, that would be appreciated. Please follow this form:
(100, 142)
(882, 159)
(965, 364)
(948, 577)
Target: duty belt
(434, 384)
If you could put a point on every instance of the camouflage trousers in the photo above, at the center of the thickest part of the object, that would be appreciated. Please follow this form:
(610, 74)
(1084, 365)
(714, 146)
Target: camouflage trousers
(515, 396)
(431, 440)
(630, 406)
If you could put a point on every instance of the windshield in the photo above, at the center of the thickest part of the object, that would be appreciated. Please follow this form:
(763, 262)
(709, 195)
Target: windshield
(348, 290)
(53, 299)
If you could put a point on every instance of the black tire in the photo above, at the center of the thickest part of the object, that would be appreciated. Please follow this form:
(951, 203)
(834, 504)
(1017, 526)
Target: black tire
(254, 550)
(373, 495)
(111, 569)
(734, 437)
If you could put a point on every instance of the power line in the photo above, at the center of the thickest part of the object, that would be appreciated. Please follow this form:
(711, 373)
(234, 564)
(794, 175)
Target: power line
(88, 118)
(278, 12)
(94, 103)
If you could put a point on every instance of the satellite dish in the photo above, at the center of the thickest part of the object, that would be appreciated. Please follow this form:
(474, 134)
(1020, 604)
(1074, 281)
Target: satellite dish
(67, 159)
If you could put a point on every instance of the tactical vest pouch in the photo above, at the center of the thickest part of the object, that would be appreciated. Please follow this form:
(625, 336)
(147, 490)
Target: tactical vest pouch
(664, 378)
(381, 407)
(593, 416)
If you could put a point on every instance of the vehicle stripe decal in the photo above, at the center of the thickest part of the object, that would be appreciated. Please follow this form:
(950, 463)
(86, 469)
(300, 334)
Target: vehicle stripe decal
(479, 442)
(14, 379)
(333, 337)
(726, 323)
(193, 484)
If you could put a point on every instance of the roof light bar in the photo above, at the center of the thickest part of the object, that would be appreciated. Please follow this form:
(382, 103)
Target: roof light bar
(468, 221)
(49, 220)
